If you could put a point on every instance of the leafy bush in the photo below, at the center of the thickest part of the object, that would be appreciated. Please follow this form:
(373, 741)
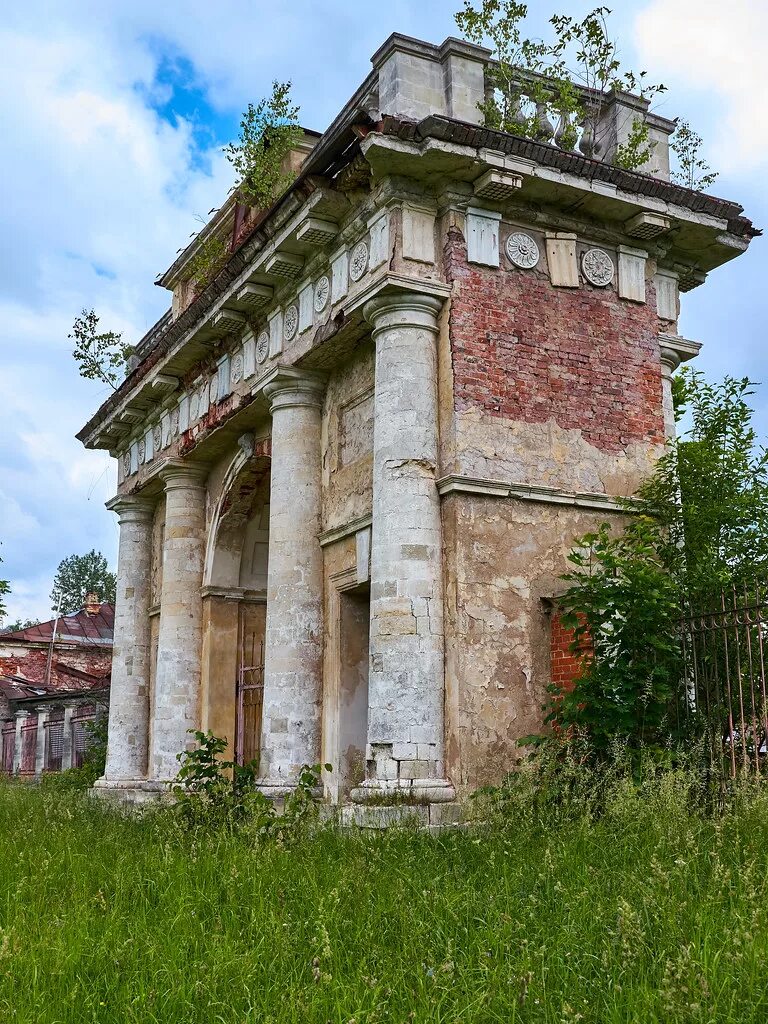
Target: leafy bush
(212, 793)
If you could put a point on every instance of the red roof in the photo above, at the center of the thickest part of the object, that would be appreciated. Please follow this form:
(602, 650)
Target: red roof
(80, 628)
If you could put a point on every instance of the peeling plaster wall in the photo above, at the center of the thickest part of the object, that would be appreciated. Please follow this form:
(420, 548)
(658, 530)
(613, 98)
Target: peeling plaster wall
(502, 556)
(347, 440)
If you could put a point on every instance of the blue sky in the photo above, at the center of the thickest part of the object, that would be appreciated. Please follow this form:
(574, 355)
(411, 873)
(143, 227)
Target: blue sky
(113, 120)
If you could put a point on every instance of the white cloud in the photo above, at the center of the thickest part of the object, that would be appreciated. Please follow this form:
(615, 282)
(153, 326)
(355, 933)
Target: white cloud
(99, 191)
(717, 49)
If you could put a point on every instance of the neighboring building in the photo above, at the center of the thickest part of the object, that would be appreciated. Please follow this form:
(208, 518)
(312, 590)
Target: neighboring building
(50, 687)
(367, 445)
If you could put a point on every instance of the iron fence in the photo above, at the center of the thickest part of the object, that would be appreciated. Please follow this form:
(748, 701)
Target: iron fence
(724, 677)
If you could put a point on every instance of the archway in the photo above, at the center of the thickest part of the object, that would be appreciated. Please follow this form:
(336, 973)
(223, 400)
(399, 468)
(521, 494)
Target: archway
(234, 606)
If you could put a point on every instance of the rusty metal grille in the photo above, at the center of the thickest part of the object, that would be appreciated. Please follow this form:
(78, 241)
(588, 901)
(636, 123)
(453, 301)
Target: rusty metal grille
(54, 745)
(79, 725)
(250, 699)
(724, 677)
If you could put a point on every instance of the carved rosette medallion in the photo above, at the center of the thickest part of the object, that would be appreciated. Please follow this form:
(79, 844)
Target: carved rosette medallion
(214, 389)
(522, 250)
(598, 267)
(358, 261)
(194, 406)
(157, 437)
(236, 373)
(322, 291)
(174, 422)
(262, 347)
(290, 322)
(126, 463)
(142, 450)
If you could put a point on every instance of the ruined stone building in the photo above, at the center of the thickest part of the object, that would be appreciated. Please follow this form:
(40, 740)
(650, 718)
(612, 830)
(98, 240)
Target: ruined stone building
(54, 678)
(365, 447)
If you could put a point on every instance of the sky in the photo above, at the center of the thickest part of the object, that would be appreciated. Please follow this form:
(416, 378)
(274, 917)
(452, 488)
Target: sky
(113, 117)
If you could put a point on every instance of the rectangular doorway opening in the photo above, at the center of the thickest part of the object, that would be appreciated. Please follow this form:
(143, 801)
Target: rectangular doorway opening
(354, 627)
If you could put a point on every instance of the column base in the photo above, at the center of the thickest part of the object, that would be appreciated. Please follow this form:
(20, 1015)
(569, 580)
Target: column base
(277, 789)
(404, 791)
(131, 792)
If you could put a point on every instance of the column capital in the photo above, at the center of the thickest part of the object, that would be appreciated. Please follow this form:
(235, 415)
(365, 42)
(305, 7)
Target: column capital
(675, 349)
(22, 714)
(131, 508)
(290, 386)
(177, 474)
(403, 309)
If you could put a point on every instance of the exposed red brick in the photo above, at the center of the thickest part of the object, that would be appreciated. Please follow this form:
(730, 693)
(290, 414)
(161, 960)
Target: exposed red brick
(527, 351)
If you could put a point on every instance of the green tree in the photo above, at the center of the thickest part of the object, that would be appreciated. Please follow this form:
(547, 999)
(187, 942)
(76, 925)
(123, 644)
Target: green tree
(709, 491)
(581, 56)
(77, 576)
(5, 589)
(691, 169)
(268, 132)
(99, 356)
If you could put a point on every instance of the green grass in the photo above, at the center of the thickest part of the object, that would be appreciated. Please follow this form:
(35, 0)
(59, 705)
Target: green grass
(650, 914)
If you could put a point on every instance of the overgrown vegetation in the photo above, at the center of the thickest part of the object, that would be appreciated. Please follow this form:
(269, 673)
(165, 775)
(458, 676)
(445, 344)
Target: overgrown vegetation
(209, 259)
(691, 169)
(701, 525)
(554, 74)
(548, 912)
(530, 77)
(99, 355)
(268, 132)
(212, 793)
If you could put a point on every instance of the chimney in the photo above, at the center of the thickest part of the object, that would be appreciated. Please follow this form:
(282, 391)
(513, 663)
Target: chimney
(92, 603)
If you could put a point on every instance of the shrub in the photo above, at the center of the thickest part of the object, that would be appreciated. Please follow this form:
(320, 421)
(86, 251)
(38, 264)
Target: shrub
(214, 794)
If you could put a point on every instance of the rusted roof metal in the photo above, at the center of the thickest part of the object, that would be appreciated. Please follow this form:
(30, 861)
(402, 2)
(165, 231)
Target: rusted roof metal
(80, 628)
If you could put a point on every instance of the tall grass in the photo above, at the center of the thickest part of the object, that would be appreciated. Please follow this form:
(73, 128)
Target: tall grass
(649, 913)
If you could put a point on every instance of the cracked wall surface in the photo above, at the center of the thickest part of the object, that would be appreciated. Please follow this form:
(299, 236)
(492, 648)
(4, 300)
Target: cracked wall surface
(502, 557)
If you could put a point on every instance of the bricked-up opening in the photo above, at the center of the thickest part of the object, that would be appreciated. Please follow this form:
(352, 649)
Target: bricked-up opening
(566, 665)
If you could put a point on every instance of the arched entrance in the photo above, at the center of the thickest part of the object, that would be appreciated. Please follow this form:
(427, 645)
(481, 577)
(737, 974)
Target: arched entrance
(234, 607)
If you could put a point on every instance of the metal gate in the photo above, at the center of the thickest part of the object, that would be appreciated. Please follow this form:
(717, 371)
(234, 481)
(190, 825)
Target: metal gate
(250, 694)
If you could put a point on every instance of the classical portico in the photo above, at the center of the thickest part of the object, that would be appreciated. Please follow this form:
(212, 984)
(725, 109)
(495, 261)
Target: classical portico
(352, 461)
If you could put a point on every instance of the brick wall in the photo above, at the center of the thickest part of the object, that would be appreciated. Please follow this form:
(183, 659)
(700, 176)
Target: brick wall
(527, 351)
(565, 664)
(30, 662)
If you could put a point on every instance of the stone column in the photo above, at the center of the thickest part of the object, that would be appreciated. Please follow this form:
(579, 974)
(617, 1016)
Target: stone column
(43, 714)
(21, 719)
(406, 682)
(66, 737)
(128, 738)
(670, 360)
(294, 627)
(180, 634)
